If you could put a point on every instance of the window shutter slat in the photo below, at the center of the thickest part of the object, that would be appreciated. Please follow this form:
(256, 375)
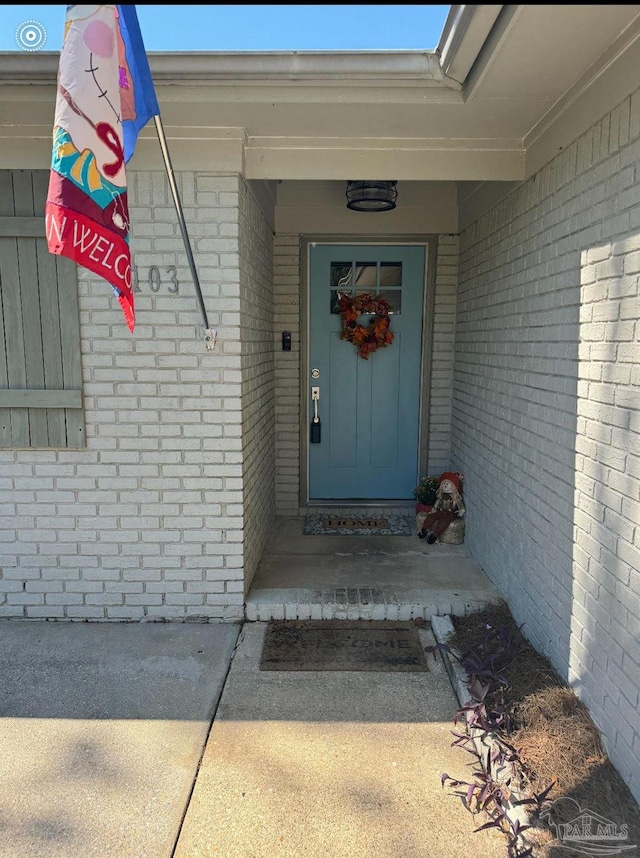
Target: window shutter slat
(40, 361)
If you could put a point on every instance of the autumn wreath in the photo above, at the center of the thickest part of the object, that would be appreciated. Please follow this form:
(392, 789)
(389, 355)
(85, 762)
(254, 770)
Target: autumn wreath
(372, 337)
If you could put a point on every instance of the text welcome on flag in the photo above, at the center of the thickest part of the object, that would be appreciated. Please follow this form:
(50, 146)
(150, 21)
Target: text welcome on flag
(105, 97)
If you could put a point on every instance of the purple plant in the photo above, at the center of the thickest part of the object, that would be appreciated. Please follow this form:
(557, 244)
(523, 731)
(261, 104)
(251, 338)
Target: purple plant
(437, 648)
(485, 665)
(484, 793)
(498, 649)
(475, 712)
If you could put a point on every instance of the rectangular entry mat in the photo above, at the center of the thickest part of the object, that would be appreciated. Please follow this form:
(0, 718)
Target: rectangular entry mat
(359, 645)
(321, 524)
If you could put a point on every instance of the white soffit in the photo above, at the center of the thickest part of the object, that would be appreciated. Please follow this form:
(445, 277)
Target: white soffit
(539, 52)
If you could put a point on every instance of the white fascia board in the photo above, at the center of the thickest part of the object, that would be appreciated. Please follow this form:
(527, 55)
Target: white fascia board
(258, 67)
(465, 32)
(397, 163)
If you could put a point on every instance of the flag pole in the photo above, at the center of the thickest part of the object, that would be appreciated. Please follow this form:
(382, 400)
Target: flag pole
(209, 333)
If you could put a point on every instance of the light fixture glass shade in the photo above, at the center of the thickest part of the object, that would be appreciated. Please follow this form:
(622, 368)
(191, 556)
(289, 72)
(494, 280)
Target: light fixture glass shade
(371, 196)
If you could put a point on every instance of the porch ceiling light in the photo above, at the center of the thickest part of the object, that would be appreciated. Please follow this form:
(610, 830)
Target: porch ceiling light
(371, 196)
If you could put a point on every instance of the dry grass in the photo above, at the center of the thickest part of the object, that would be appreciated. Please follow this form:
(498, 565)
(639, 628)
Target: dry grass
(556, 740)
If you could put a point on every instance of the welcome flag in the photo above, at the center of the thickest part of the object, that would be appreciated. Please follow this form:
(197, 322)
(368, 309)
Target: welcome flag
(105, 97)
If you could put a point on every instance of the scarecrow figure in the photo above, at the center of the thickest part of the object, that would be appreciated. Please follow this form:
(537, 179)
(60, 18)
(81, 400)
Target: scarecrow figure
(447, 508)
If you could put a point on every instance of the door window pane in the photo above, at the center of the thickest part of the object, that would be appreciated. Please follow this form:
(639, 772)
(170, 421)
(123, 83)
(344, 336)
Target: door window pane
(394, 298)
(334, 305)
(341, 274)
(366, 276)
(390, 274)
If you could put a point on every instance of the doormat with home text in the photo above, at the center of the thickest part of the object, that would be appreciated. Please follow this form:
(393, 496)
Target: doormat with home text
(342, 645)
(356, 525)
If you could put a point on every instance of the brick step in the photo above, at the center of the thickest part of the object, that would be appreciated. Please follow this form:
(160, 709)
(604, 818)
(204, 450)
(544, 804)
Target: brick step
(361, 603)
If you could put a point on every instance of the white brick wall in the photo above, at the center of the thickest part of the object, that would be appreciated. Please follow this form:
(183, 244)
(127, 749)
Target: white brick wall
(546, 415)
(287, 291)
(444, 323)
(165, 514)
(147, 522)
(256, 328)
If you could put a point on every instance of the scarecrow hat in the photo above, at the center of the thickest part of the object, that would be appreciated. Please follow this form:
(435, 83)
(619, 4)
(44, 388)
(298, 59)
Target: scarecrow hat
(453, 477)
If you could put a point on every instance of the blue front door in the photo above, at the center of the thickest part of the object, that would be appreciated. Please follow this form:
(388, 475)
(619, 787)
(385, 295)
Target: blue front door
(368, 409)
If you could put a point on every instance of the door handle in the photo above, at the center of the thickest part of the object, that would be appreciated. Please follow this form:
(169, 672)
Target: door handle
(315, 423)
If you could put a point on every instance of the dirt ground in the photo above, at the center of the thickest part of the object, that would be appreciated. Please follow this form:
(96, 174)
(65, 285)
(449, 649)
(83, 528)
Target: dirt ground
(551, 730)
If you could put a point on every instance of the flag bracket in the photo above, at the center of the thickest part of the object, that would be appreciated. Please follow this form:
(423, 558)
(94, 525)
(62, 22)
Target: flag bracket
(210, 335)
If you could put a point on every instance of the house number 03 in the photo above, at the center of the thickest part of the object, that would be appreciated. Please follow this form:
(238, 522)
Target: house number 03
(155, 280)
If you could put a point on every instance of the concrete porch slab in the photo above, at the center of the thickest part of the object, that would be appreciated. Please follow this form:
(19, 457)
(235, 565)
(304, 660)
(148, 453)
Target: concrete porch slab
(363, 577)
(102, 727)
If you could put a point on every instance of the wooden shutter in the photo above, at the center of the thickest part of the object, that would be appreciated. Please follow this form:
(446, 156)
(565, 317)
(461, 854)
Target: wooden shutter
(40, 370)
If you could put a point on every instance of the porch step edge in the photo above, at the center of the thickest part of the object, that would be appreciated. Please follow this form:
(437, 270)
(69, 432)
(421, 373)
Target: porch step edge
(349, 604)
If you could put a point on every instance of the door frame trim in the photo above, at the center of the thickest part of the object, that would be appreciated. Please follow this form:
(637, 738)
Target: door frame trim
(430, 243)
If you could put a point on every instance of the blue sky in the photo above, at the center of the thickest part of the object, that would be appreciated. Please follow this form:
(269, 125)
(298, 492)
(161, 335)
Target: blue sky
(254, 28)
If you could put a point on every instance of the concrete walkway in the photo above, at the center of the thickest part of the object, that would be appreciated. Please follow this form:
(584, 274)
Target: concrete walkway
(331, 765)
(102, 727)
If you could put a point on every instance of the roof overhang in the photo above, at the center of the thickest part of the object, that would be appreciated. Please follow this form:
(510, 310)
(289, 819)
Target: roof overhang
(464, 34)
(507, 86)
